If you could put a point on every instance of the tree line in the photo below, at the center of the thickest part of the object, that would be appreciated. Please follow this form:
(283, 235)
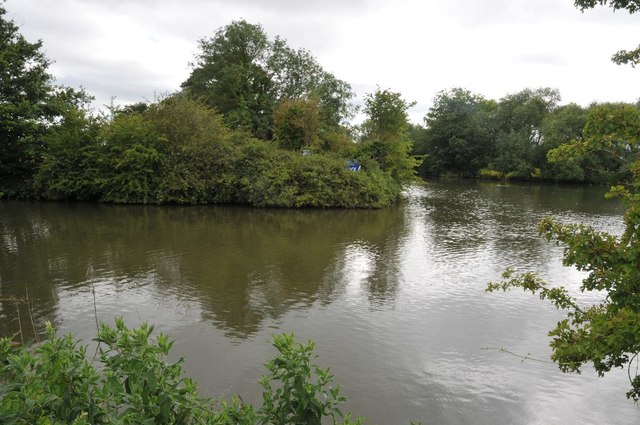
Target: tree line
(256, 122)
(468, 135)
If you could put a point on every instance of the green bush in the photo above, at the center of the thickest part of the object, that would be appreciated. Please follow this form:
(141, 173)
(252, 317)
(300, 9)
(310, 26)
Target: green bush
(304, 394)
(270, 177)
(54, 383)
(70, 168)
(179, 151)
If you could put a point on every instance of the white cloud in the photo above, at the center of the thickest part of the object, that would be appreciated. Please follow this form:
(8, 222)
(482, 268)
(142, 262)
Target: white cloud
(132, 49)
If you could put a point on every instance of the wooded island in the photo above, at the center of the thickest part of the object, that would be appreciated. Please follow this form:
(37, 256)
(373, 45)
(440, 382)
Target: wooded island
(260, 123)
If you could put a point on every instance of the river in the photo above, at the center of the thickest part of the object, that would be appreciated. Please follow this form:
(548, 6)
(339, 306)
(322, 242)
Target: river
(394, 298)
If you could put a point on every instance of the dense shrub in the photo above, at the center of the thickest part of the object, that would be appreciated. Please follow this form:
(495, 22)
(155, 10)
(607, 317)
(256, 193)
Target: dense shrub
(54, 383)
(180, 151)
(70, 167)
(272, 178)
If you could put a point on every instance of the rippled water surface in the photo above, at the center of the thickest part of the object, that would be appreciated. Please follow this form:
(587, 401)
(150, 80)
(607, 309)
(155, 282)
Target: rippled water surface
(394, 299)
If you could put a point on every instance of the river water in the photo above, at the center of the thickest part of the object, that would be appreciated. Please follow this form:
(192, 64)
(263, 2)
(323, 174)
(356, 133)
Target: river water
(393, 298)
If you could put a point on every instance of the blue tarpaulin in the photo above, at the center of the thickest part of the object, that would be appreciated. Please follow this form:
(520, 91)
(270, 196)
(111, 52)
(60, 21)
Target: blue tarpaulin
(353, 165)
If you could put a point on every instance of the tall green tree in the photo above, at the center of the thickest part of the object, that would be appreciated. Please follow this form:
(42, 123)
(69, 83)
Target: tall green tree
(459, 135)
(562, 125)
(230, 75)
(385, 137)
(526, 109)
(246, 77)
(297, 75)
(29, 104)
(518, 121)
(71, 166)
(607, 142)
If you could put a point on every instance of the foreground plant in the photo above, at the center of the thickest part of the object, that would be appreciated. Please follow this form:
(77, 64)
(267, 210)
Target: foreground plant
(304, 394)
(54, 383)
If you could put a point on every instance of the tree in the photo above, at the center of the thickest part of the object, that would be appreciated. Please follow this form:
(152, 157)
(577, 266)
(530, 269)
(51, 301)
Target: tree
(246, 77)
(606, 143)
(459, 133)
(562, 125)
(199, 166)
(29, 104)
(70, 168)
(230, 75)
(631, 57)
(385, 134)
(525, 111)
(296, 75)
(518, 121)
(605, 334)
(132, 154)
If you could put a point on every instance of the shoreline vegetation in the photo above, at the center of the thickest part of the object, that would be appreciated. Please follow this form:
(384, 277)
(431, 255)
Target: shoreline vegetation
(256, 123)
(259, 123)
(526, 136)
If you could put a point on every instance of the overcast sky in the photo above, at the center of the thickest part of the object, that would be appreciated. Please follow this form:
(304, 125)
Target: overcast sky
(134, 49)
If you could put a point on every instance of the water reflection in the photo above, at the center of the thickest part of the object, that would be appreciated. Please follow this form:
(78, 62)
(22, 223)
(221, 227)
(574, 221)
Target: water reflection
(240, 266)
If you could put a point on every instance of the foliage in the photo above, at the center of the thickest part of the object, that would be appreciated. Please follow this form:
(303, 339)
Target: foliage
(29, 105)
(70, 168)
(513, 155)
(516, 136)
(132, 155)
(605, 334)
(609, 139)
(273, 178)
(466, 133)
(139, 383)
(631, 57)
(247, 77)
(564, 125)
(296, 75)
(488, 173)
(200, 152)
(525, 110)
(178, 150)
(304, 395)
(519, 120)
(198, 146)
(297, 124)
(54, 383)
(459, 135)
(385, 138)
(229, 75)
